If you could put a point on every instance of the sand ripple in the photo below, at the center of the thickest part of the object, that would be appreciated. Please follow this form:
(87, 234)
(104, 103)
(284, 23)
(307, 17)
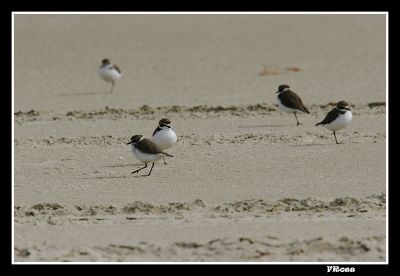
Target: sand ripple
(200, 111)
(224, 249)
(61, 214)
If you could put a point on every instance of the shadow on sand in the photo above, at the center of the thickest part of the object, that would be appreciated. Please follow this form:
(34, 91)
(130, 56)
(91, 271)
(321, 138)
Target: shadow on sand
(316, 144)
(262, 126)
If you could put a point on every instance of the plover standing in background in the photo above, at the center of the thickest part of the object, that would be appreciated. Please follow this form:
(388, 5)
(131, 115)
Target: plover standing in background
(290, 102)
(338, 118)
(164, 136)
(109, 72)
(146, 151)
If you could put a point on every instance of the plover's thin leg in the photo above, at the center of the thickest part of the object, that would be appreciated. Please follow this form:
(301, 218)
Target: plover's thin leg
(334, 134)
(298, 123)
(165, 163)
(150, 170)
(112, 86)
(145, 166)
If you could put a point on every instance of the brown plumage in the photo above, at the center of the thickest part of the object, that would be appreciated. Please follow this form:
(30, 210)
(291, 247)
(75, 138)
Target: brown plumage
(334, 113)
(292, 100)
(164, 121)
(117, 68)
(330, 117)
(147, 146)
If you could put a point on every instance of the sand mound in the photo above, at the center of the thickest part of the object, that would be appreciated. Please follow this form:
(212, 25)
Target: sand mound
(199, 111)
(224, 249)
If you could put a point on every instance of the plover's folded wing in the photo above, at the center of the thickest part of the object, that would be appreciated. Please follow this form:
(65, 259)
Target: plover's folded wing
(292, 100)
(148, 146)
(117, 68)
(329, 118)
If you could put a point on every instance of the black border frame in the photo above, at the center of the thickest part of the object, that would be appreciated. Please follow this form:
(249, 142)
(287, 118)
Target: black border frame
(173, 5)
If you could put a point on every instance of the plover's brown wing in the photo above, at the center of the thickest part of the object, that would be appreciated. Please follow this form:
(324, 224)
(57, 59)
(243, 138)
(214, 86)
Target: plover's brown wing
(292, 100)
(117, 68)
(330, 117)
(148, 146)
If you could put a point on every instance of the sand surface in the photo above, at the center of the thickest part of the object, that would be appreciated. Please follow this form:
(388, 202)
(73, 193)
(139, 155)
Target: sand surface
(245, 183)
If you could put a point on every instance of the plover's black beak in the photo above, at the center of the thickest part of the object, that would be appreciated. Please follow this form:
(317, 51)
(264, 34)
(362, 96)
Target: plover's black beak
(129, 143)
(277, 91)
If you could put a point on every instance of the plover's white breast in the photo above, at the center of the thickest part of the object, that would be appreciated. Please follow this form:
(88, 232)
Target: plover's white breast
(340, 122)
(165, 138)
(109, 73)
(145, 157)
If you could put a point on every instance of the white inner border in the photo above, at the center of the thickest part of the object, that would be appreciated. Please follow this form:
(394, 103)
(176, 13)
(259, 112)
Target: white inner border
(213, 13)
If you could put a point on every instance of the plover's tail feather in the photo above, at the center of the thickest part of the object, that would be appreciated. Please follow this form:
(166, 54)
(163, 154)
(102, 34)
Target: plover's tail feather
(167, 154)
(304, 109)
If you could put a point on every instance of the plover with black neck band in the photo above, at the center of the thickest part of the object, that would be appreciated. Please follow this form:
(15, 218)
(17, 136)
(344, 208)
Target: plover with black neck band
(164, 136)
(338, 118)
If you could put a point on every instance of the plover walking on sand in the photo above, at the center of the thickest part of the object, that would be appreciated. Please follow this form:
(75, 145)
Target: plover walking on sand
(290, 102)
(338, 118)
(109, 72)
(146, 151)
(164, 136)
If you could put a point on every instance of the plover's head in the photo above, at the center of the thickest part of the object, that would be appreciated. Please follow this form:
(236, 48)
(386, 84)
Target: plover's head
(105, 61)
(135, 139)
(164, 123)
(343, 105)
(282, 88)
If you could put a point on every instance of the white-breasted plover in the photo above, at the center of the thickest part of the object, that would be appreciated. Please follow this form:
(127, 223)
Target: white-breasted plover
(109, 72)
(164, 136)
(338, 118)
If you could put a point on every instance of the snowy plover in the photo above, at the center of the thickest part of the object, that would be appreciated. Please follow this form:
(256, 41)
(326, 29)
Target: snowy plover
(109, 72)
(164, 136)
(338, 118)
(146, 151)
(289, 101)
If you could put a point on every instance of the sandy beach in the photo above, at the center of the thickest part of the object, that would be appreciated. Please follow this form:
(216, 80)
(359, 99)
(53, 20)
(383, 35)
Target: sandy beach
(245, 183)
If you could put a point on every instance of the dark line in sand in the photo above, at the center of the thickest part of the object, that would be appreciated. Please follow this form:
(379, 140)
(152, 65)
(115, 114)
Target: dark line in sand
(124, 165)
(109, 177)
(146, 111)
(83, 94)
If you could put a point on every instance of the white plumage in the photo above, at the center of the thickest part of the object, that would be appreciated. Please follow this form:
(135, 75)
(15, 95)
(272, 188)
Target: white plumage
(165, 138)
(109, 73)
(342, 121)
(145, 157)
